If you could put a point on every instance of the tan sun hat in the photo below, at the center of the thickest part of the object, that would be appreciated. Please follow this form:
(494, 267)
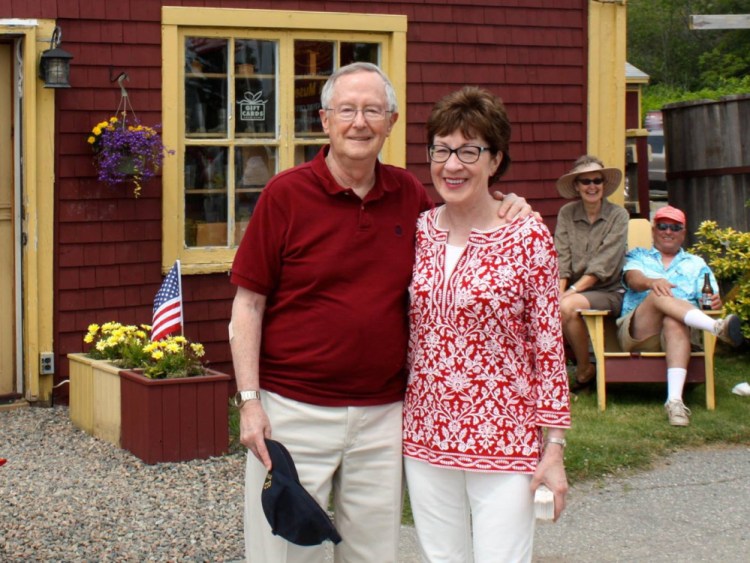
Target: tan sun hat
(566, 183)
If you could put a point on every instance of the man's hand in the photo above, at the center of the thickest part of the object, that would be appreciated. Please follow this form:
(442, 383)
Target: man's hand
(661, 287)
(254, 428)
(513, 207)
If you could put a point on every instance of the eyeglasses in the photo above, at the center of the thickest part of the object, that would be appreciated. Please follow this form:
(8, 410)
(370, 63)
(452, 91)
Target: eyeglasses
(588, 181)
(346, 113)
(468, 154)
(675, 228)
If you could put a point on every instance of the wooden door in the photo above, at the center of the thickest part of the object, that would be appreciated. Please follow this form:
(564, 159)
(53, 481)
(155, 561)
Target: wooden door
(7, 228)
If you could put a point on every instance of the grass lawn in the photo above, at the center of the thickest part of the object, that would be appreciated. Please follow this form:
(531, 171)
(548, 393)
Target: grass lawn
(634, 431)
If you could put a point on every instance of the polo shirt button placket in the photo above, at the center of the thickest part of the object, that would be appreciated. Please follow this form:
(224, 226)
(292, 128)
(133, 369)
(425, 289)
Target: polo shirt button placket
(365, 221)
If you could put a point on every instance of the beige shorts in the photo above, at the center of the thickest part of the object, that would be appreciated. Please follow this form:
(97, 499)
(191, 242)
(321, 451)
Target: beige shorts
(629, 344)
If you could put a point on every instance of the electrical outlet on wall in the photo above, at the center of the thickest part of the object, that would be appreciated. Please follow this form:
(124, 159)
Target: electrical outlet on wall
(46, 363)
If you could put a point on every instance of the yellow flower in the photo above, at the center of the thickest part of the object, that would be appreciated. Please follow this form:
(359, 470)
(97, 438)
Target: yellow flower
(158, 355)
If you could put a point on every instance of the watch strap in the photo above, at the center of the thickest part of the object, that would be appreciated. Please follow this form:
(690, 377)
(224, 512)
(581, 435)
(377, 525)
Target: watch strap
(242, 397)
(559, 441)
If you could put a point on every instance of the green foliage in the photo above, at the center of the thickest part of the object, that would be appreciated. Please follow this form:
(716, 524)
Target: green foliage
(727, 252)
(657, 96)
(661, 44)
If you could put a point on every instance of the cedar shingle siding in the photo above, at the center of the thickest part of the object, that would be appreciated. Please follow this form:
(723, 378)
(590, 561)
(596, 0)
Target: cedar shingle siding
(108, 245)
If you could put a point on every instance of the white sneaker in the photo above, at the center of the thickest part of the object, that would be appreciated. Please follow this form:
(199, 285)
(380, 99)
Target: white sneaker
(728, 329)
(678, 413)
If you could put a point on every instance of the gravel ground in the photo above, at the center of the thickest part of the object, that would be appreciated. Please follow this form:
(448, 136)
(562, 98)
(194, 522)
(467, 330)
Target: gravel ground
(66, 496)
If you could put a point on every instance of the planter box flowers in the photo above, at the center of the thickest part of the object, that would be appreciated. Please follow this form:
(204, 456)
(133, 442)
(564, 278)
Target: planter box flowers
(155, 399)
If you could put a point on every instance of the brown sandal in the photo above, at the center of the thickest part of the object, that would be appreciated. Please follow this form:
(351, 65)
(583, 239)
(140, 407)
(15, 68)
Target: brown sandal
(584, 380)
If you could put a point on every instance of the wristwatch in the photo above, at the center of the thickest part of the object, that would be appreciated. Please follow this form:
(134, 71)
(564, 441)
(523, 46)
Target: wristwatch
(242, 397)
(559, 441)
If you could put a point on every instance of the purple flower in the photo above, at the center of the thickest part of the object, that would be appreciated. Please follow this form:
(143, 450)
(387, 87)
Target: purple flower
(126, 153)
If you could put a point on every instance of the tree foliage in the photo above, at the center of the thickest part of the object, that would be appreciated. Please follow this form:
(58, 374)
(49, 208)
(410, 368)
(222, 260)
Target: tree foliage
(685, 64)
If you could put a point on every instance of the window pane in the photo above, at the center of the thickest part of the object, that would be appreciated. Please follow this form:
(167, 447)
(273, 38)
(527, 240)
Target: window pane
(255, 88)
(205, 87)
(206, 202)
(254, 166)
(313, 64)
(305, 153)
(360, 53)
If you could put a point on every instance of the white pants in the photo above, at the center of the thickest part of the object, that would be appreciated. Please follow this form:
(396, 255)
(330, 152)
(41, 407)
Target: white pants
(448, 504)
(352, 452)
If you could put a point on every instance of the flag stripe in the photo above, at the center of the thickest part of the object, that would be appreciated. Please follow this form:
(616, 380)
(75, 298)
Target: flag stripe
(167, 316)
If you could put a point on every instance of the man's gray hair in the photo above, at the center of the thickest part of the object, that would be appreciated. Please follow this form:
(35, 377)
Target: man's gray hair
(327, 93)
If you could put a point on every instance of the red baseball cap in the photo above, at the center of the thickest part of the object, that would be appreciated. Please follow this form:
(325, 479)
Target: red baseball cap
(669, 212)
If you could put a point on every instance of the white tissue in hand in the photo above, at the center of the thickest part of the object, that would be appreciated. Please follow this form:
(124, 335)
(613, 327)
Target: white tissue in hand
(544, 503)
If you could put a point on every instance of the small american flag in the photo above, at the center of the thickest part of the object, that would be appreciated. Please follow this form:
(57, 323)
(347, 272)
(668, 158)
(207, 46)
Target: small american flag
(168, 305)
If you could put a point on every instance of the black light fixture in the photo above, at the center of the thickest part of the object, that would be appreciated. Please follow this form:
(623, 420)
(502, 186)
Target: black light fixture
(54, 66)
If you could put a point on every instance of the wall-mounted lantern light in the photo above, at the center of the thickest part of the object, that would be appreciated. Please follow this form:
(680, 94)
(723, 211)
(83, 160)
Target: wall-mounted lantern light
(54, 66)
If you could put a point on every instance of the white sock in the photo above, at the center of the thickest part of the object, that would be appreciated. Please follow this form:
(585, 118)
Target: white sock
(675, 382)
(698, 319)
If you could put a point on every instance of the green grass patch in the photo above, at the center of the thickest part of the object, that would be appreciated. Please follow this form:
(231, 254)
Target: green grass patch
(633, 432)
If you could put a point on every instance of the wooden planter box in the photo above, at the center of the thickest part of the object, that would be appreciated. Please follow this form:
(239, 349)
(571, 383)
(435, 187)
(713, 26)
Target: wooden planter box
(167, 420)
(95, 397)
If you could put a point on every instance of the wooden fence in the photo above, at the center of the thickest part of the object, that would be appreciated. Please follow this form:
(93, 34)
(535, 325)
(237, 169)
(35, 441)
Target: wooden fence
(708, 161)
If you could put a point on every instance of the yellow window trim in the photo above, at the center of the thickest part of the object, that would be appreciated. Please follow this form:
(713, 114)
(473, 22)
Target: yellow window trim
(390, 30)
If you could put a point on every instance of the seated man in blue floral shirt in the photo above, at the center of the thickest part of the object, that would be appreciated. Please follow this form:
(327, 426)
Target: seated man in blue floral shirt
(661, 304)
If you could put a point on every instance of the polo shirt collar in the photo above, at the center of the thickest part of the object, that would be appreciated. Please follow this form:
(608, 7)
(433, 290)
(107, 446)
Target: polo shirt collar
(383, 181)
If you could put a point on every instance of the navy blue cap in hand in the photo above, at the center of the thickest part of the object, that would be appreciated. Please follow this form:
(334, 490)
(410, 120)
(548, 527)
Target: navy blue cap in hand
(290, 510)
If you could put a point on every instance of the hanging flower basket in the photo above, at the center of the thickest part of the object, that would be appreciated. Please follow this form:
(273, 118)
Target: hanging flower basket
(126, 152)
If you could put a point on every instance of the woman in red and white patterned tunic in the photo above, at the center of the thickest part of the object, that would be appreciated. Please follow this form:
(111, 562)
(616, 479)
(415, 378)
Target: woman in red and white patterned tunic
(487, 400)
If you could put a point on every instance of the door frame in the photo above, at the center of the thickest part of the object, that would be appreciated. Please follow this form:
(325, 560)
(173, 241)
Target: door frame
(35, 185)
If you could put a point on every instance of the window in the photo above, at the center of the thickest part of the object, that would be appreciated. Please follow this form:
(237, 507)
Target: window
(241, 103)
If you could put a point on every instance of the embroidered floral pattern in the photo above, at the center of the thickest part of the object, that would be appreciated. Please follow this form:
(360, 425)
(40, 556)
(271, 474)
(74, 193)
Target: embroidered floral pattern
(486, 361)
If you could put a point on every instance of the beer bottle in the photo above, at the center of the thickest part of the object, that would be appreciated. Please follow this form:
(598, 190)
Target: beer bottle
(706, 293)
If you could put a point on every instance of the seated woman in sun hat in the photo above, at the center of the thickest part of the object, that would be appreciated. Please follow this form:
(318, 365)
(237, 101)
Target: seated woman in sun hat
(591, 240)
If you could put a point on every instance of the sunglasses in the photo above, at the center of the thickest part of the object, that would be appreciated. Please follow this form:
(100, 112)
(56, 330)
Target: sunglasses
(588, 181)
(669, 227)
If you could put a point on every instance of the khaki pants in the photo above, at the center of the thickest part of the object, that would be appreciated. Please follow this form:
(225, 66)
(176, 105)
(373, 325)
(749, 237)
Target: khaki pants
(352, 452)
